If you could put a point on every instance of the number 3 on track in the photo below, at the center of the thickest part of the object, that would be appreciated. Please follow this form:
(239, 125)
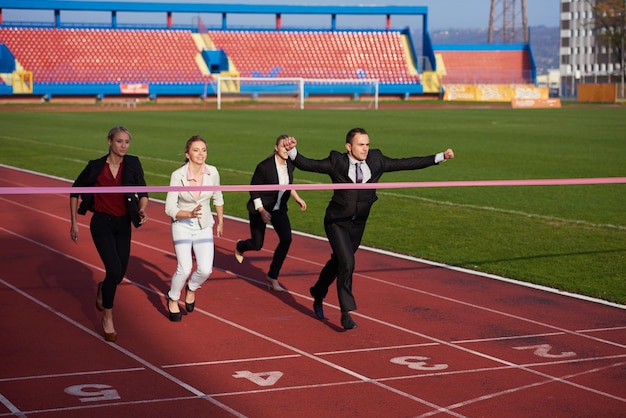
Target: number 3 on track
(418, 363)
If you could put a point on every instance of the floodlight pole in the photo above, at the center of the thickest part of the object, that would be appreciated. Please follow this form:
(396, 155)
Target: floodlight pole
(509, 13)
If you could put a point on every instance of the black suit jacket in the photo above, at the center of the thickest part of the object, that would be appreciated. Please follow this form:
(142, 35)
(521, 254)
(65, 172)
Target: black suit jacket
(355, 204)
(132, 175)
(265, 173)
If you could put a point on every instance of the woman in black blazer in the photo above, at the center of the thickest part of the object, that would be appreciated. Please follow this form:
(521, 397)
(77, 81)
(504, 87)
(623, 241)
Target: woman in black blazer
(271, 206)
(113, 214)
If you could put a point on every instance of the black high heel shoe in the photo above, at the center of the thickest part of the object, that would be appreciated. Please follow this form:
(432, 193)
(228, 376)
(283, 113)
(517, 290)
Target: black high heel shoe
(189, 307)
(174, 316)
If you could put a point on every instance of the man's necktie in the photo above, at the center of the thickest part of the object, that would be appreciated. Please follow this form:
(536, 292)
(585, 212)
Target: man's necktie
(359, 173)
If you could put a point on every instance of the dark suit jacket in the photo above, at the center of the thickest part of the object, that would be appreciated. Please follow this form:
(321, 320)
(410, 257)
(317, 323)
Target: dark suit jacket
(355, 204)
(265, 173)
(132, 175)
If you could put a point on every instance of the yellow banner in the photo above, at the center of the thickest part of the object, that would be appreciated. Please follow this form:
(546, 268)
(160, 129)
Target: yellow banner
(494, 92)
(536, 103)
(22, 82)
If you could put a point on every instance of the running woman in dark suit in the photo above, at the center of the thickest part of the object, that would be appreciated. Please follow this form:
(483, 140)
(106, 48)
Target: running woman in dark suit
(271, 206)
(113, 214)
(348, 209)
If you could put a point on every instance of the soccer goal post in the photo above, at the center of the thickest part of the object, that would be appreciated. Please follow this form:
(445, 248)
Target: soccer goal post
(295, 90)
(253, 87)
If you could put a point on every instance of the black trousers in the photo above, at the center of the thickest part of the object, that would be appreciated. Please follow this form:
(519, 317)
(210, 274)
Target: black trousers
(344, 239)
(282, 226)
(111, 235)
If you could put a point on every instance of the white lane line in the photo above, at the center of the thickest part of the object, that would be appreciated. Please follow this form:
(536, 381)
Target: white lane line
(128, 353)
(57, 375)
(358, 376)
(506, 211)
(532, 385)
(424, 375)
(238, 360)
(216, 317)
(109, 404)
(15, 411)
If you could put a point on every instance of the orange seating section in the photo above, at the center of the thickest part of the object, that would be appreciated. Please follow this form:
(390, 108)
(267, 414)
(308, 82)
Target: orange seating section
(317, 54)
(104, 55)
(168, 56)
(488, 67)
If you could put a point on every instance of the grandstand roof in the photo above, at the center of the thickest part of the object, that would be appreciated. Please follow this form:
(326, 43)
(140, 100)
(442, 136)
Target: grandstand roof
(209, 7)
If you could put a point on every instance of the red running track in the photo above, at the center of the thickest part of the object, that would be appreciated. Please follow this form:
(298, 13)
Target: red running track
(432, 340)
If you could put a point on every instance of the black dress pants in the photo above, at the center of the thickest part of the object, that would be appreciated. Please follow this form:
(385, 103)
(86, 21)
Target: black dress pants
(111, 235)
(344, 239)
(282, 226)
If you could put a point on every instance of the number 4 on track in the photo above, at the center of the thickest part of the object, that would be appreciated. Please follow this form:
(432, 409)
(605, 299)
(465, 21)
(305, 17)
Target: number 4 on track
(261, 379)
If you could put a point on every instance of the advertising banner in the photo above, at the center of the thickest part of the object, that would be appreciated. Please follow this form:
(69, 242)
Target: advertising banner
(494, 92)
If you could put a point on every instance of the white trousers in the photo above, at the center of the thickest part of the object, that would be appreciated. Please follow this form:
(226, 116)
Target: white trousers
(188, 235)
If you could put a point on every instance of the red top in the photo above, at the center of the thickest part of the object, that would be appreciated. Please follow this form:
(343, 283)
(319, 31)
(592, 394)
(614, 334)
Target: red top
(112, 203)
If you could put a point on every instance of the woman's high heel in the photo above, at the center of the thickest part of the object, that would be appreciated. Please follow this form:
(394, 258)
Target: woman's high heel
(109, 336)
(274, 285)
(189, 307)
(99, 305)
(174, 316)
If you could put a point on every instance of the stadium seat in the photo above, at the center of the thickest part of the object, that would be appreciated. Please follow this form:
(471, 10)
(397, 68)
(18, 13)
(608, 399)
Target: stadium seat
(488, 67)
(104, 55)
(316, 54)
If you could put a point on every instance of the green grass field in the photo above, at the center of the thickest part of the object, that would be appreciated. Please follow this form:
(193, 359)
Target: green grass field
(571, 238)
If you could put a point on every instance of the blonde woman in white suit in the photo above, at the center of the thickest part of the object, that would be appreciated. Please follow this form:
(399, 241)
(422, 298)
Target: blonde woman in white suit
(192, 225)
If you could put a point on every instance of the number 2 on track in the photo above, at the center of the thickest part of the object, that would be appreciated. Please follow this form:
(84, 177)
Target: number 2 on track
(261, 378)
(543, 350)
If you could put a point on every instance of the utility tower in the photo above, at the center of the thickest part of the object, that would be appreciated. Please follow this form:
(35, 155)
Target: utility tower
(509, 20)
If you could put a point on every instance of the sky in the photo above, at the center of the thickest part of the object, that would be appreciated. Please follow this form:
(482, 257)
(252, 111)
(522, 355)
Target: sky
(443, 14)
(458, 14)
(446, 14)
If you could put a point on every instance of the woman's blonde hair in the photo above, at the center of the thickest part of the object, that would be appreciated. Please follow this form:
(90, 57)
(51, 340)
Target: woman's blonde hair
(117, 129)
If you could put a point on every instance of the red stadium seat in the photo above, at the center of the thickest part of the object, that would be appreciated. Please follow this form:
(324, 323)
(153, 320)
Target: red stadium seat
(104, 55)
(488, 67)
(142, 56)
(316, 54)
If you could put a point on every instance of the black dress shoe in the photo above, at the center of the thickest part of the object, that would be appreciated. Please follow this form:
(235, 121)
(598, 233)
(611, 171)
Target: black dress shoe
(189, 307)
(174, 316)
(317, 305)
(347, 322)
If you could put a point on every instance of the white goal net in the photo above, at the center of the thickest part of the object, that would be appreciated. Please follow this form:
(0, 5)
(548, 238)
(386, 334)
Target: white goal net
(296, 91)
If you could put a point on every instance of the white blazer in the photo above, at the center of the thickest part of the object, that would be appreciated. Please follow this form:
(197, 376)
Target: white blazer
(185, 200)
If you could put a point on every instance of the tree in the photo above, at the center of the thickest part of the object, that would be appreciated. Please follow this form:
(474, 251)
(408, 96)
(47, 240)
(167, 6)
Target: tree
(610, 28)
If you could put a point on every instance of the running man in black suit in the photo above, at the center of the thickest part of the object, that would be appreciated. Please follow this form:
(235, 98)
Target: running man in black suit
(348, 209)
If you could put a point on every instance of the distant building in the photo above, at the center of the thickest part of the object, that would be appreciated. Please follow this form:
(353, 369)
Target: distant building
(583, 57)
(551, 80)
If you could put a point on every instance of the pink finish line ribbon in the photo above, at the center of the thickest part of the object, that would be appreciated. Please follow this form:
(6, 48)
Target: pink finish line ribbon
(332, 186)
